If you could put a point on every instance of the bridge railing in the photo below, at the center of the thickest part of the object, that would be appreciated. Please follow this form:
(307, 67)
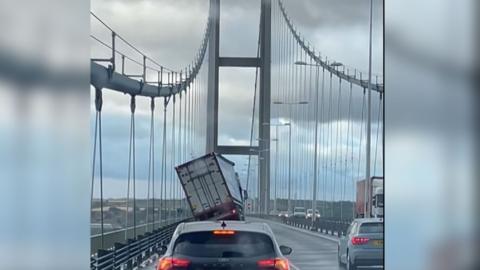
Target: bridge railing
(130, 254)
(331, 226)
(122, 235)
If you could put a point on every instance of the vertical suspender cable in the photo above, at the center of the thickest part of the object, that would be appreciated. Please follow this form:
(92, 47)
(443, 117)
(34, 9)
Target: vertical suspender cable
(100, 152)
(132, 107)
(282, 97)
(304, 175)
(179, 149)
(194, 115)
(189, 121)
(98, 132)
(290, 120)
(286, 91)
(361, 135)
(128, 180)
(294, 117)
(329, 139)
(152, 107)
(186, 131)
(150, 179)
(322, 143)
(361, 140)
(94, 156)
(322, 138)
(163, 191)
(338, 120)
(345, 176)
(378, 131)
(172, 203)
(313, 112)
(131, 168)
(353, 176)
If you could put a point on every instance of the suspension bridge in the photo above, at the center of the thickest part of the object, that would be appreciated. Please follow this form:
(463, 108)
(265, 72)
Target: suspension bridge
(315, 122)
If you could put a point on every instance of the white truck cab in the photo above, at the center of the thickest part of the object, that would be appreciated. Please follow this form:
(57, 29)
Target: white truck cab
(377, 202)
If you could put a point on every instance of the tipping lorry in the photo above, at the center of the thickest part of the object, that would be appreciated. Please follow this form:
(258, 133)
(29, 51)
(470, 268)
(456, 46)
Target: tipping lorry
(375, 201)
(212, 188)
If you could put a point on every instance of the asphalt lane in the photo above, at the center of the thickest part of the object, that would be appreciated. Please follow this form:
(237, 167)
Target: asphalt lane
(311, 251)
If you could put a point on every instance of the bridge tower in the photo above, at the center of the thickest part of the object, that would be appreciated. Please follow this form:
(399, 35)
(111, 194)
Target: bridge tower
(263, 63)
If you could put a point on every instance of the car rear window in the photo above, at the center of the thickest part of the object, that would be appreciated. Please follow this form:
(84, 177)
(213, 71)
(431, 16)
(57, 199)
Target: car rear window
(371, 227)
(240, 245)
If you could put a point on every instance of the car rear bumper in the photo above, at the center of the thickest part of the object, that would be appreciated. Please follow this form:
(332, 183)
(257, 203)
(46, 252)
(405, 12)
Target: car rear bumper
(368, 257)
(369, 262)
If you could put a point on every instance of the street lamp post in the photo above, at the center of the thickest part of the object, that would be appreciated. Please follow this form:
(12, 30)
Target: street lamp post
(276, 164)
(315, 166)
(258, 182)
(290, 148)
(315, 169)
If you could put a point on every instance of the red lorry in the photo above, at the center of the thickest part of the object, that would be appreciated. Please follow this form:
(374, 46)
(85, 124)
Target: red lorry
(375, 200)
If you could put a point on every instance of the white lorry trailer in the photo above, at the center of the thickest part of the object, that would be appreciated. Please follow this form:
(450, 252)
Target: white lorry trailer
(212, 188)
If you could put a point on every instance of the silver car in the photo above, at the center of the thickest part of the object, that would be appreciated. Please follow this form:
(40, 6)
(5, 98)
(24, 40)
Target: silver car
(362, 246)
(299, 212)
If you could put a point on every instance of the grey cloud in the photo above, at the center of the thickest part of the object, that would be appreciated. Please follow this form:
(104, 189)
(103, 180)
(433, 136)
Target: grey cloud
(311, 14)
(171, 31)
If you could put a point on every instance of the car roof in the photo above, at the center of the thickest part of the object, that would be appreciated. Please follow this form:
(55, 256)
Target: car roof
(369, 220)
(198, 226)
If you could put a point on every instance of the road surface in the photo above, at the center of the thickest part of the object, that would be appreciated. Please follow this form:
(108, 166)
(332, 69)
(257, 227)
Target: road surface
(311, 251)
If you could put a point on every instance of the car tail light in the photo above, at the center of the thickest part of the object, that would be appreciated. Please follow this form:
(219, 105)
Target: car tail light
(282, 264)
(224, 232)
(359, 240)
(277, 264)
(170, 263)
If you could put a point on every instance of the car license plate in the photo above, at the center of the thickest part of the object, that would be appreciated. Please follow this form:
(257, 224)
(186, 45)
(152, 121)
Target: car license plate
(378, 243)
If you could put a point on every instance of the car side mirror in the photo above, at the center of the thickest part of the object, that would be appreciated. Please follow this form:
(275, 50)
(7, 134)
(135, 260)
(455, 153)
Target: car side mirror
(285, 250)
(162, 250)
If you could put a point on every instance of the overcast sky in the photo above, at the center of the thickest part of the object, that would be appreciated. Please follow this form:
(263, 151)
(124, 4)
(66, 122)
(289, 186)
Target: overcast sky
(170, 32)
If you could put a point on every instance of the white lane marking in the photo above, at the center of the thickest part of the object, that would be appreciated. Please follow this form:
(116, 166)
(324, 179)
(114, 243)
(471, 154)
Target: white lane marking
(294, 267)
(306, 232)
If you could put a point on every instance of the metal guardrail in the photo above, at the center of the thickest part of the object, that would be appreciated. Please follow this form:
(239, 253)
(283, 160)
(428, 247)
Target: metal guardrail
(127, 256)
(121, 235)
(335, 227)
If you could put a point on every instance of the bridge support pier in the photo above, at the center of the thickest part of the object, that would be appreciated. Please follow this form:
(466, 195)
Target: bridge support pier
(264, 105)
(213, 67)
(262, 62)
